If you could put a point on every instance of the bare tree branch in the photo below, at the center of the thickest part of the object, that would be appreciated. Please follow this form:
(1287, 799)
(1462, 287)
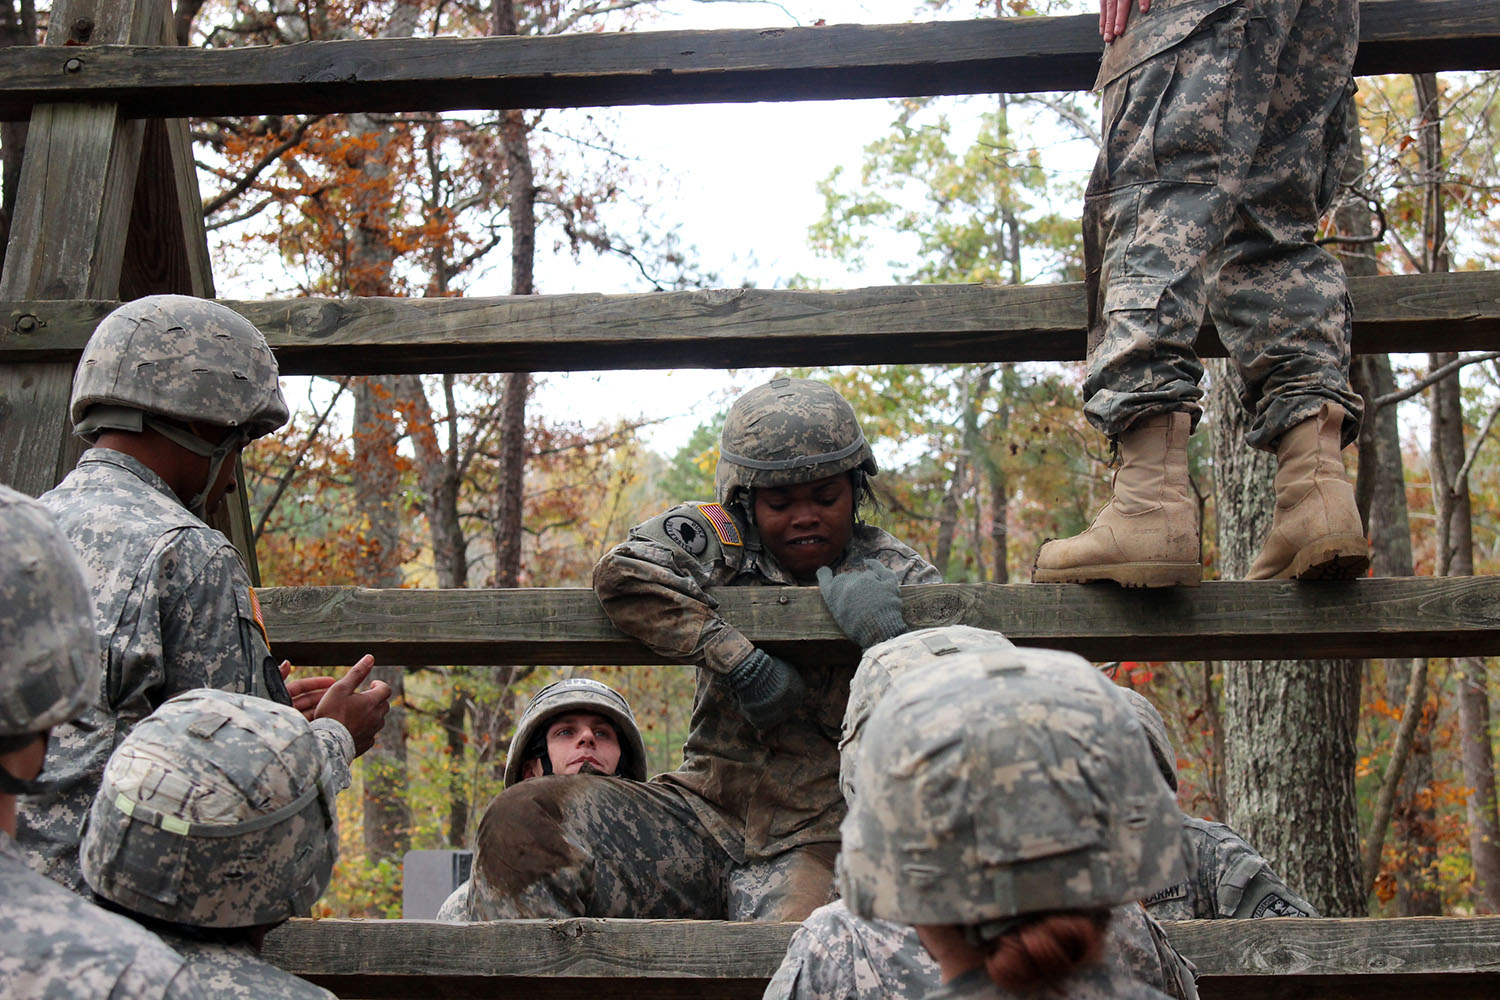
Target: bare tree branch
(1411, 714)
(291, 469)
(1433, 377)
(1479, 440)
(250, 176)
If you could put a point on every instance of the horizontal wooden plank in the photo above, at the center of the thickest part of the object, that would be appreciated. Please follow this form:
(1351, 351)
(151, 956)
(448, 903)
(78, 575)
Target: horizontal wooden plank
(664, 67)
(1417, 616)
(588, 958)
(738, 328)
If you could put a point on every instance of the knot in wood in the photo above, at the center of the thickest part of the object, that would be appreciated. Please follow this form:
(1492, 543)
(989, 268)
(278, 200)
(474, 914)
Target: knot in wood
(717, 299)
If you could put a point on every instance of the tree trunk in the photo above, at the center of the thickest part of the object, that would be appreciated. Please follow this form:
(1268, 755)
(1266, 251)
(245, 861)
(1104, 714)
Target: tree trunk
(1381, 489)
(1381, 494)
(387, 817)
(1450, 491)
(521, 203)
(387, 821)
(999, 515)
(1279, 715)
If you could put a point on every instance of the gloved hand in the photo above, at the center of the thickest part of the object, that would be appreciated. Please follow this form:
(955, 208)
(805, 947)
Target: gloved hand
(768, 689)
(866, 603)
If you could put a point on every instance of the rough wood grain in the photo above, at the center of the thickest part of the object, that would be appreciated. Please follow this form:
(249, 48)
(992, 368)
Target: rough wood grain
(1418, 616)
(670, 67)
(586, 958)
(742, 327)
(67, 240)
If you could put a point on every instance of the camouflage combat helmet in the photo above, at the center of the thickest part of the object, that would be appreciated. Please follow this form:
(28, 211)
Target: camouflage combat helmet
(49, 653)
(788, 431)
(1156, 734)
(214, 812)
(576, 694)
(183, 359)
(1008, 782)
(885, 661)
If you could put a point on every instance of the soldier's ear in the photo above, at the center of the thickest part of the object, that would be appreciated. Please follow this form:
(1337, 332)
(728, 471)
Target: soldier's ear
(531, 769)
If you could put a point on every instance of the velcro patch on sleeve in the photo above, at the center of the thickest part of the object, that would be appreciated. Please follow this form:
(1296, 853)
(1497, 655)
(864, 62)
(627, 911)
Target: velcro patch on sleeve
(723, 524)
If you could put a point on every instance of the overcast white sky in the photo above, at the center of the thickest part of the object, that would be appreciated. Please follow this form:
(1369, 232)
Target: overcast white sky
(740, 182)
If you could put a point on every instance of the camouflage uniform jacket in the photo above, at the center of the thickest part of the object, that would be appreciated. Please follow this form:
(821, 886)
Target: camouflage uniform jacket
(836, 955)
(237, 972)
(1100, 981)
(1230, 880)
(758, 794)
(174, 611)
(455, 909)
(55, 945)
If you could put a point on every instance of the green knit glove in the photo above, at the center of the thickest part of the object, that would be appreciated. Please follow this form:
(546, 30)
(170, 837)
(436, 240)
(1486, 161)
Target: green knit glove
(768, 689)
(866, 603)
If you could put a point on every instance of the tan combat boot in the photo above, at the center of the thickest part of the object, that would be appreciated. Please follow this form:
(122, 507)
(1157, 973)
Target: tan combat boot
(1147, 535)
(1316, 533)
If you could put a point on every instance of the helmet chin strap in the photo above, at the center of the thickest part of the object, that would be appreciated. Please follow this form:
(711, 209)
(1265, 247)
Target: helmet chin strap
(216, 454)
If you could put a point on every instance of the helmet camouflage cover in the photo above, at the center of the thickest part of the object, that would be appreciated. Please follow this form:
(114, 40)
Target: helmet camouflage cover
(180, 357)
(788, 431)
(578, 694)
(885, 661)
(49, 652)
(1002, 784)
(214, 812)
(1156, 734)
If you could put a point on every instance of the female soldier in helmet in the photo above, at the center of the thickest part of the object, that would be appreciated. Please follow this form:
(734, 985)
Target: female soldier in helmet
(747, 827)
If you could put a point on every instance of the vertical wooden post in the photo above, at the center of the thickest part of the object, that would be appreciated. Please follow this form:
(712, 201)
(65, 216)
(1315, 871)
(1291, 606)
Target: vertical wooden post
(108, 208)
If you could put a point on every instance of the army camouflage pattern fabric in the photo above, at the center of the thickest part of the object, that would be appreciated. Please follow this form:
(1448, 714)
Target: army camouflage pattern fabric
(741, 799)
(216, 811)
(835, 955)
(883, 662)
(59, 947)
(1099, 981)
(237, 972)
(173, 612)
(1030, 759)
(1225, 136)
(455, 909)
(594, 846)
(1228, 879)
(49, 655)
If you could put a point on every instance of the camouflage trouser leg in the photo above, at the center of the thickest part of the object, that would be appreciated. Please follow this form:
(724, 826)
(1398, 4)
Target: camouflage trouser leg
(571, 846)
(785, 888)
(1218, 153)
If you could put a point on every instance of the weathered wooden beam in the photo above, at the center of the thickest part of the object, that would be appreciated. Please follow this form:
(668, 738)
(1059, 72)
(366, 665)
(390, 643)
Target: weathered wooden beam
(587, 959)
(668, 67)
(1417, 616)
(73, 204)
(735, 328)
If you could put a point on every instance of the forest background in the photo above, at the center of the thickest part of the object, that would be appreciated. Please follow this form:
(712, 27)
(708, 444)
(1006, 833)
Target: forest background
(523, 480)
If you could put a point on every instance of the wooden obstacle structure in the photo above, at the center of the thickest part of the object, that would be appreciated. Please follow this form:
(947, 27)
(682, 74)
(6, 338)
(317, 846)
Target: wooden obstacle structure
(109, 209)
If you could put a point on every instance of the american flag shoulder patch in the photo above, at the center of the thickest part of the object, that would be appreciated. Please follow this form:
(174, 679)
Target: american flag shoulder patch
(723, 524)
(260, 622)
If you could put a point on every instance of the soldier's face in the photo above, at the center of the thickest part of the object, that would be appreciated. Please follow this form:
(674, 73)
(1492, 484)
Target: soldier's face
(807, 525)
(580, 738)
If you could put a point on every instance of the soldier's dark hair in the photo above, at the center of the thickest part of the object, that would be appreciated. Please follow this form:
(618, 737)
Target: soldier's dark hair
(1045, 951)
